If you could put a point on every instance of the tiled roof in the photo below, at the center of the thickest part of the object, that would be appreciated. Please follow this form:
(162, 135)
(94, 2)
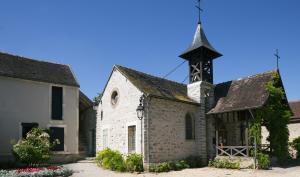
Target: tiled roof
(155, 86)
(29, 69)
(295, 106)
(242, 94)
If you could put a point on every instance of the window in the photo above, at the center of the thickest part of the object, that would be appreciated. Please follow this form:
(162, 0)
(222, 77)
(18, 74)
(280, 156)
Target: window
(26, 127)
(189, 127)
(131, 138)
(57, 103)
(57, 133)
(105, 138)
(101, 115)
(114, 97)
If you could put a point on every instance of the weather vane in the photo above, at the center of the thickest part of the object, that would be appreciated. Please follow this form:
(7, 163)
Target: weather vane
(200, 10)
(277, 57)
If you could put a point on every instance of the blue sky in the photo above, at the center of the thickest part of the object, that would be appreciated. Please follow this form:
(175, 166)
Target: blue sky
(93, 35)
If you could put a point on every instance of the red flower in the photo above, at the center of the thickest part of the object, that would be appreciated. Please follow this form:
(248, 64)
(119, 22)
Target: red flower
(53, 168)
(29, 170)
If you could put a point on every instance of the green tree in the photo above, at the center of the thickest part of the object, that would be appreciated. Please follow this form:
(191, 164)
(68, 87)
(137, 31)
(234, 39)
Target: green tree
(97, 99)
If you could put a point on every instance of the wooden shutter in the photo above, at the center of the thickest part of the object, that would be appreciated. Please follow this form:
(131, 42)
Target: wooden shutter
(131, 138)
(189, 127)
(57, 133)
(57, 103)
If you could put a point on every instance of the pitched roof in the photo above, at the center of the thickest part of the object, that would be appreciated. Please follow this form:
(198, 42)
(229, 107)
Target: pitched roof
(242, 94)
(155, 86)
(29, 69)
(295, 106)
(84, 102)
(200, 42)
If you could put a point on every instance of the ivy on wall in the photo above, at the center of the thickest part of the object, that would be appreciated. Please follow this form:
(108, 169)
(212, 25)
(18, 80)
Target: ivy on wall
(275, 117)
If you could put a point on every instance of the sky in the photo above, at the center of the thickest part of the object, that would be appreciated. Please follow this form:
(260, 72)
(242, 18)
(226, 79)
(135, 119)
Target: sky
(93, 35)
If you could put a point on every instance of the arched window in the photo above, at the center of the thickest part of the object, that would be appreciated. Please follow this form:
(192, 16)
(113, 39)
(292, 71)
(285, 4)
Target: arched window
(189, 127)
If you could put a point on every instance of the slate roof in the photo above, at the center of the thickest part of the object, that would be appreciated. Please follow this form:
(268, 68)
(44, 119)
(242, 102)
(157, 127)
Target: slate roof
(84, 102)
(155, 86)
(295, 106)
(29, 69)
(242, 94)
(200, 42)
(236, 95)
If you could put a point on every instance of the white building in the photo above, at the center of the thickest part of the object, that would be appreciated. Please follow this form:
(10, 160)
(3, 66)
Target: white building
(39, 94)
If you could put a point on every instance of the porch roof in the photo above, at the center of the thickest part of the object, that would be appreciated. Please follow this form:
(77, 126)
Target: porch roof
(242, 94)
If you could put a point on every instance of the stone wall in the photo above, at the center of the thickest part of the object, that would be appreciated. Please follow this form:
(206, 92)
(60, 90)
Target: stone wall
(87, 129)
(167, 131)
(117, 118)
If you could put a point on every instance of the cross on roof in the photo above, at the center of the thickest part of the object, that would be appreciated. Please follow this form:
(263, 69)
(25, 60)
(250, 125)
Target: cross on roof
(277, 57)
(200, 10)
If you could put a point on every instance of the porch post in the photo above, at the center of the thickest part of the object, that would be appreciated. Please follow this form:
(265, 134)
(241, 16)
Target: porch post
(246, 141)
(217, 142)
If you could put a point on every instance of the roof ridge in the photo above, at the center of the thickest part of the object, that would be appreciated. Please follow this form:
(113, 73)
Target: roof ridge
(294, 101)
(19, 57)
(150, 75)
(248, 77)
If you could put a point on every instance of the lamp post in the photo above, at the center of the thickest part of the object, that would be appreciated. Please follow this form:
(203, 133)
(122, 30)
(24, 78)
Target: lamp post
(140, 115)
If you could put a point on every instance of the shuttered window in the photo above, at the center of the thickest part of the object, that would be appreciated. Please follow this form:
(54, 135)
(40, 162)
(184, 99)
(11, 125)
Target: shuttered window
(57, 133)
(57, 103)
(131, 138)
(189, 127)
(105, 138)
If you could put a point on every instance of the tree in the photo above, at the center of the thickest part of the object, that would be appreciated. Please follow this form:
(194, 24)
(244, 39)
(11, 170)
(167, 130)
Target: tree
(97, 99)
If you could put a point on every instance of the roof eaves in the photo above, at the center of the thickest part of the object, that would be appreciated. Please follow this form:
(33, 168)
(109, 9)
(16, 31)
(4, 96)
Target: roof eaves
(176, 100)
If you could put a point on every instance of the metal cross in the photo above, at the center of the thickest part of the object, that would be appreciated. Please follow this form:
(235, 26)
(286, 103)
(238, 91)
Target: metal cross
(200, 10)
(277, 57)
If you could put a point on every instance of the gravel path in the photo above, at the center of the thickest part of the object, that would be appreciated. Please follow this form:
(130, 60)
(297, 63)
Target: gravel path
(89, 169)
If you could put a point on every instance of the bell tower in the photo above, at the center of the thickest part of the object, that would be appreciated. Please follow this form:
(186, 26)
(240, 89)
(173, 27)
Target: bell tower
(200, 56)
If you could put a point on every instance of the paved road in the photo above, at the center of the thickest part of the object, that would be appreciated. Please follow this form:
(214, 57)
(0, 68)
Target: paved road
(89, 169)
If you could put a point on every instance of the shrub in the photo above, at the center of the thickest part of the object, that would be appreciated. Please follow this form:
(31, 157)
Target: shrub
(169, 166)
(110, 159)
(224, 163)
(159, 168)
(194, 162)
(263, 161)
(134, 163)
(35, 148)
(296, 146)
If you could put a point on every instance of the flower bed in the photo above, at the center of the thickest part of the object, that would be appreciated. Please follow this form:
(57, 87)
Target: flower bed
(51, 171)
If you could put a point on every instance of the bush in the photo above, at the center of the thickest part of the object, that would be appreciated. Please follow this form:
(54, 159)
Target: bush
(159, 168)
(224, 163)
(296, 146)
(169, 166)
(110, 159)
(42, 172)
(134, 163)
(263, 161)
(34, 149)
(194, 162)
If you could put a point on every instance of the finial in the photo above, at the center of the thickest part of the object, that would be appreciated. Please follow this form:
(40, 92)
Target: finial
(200, 10)
(277, 58)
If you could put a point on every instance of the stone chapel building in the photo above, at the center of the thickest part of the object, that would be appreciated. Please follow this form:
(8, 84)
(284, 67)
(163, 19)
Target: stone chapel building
(179, 120)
